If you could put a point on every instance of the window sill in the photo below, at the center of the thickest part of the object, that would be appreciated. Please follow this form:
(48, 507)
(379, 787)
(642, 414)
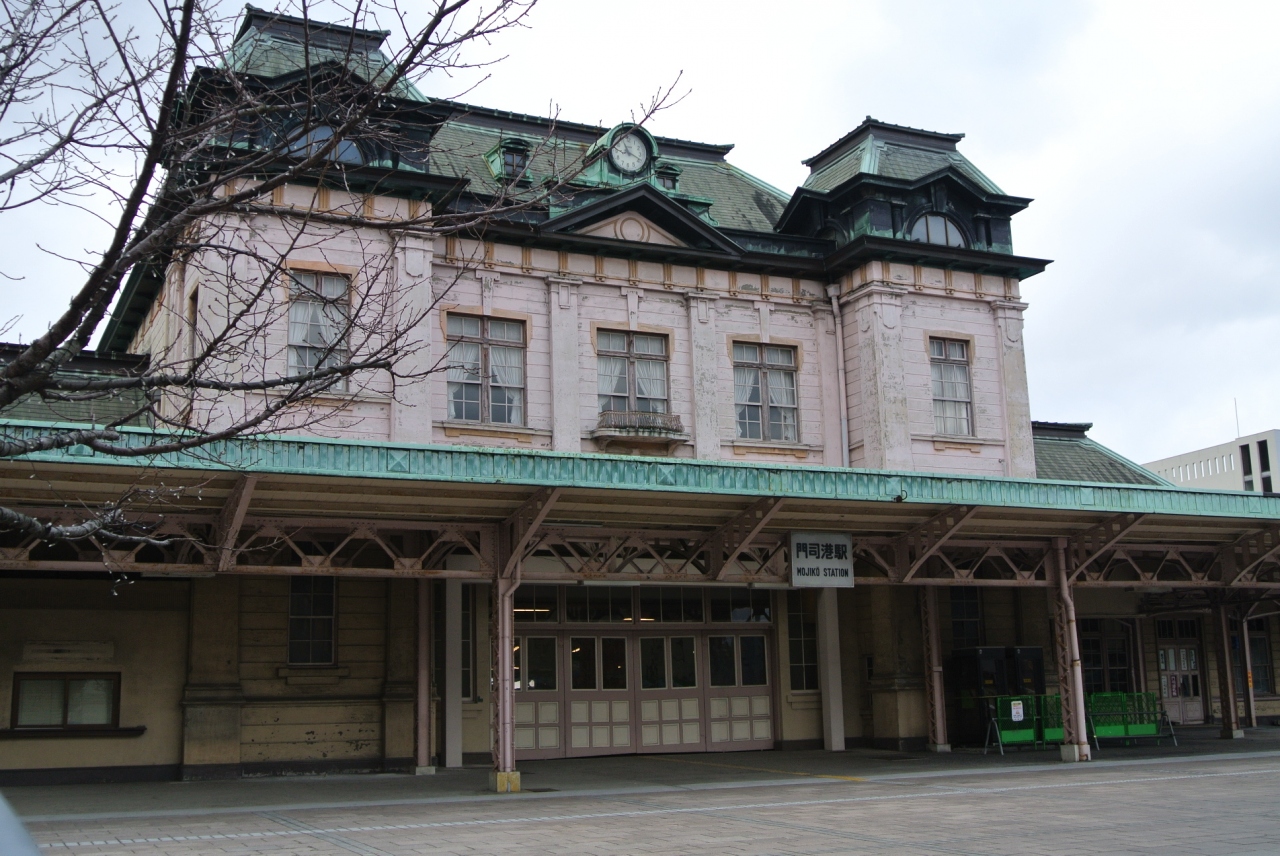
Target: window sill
(303, 676)
(336, 397)
(458, 428)
(764, 447)
(57, 733)
(805, 699)
(967, 442)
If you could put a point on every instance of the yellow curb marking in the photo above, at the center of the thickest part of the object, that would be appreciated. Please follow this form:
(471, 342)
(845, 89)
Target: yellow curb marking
(756, 769)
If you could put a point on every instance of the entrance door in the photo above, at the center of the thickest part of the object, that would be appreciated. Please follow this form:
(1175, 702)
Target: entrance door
(539, 707)
(670, 698)
(738, 692)
(1179, 659)
(600, 697)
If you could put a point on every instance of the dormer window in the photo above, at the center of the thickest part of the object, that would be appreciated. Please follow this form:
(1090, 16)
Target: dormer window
(515, 160)
(936, 229)
(344, 151)
(668, 177)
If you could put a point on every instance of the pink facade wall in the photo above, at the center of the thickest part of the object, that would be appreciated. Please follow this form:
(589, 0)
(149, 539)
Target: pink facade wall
(679, 302)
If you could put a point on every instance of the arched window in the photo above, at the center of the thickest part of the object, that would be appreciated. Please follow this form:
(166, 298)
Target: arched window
(936, 229)
(313, 140)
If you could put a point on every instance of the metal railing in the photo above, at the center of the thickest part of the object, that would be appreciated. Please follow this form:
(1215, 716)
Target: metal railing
(623, 420)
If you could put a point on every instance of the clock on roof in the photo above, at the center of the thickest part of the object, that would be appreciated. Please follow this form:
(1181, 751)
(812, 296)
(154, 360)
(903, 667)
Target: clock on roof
(629, 154)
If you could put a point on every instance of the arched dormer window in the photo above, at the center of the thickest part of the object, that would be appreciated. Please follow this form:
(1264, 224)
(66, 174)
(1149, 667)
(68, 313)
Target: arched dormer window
(937, 229)
(345, 151)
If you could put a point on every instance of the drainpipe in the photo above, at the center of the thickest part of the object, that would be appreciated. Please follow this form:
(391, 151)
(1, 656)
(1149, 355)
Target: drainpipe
(833, 291)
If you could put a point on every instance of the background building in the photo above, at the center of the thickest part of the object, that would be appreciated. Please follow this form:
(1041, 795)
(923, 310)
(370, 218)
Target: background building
(1243, 464)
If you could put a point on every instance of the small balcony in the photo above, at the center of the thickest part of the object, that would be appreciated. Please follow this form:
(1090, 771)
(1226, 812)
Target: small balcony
(639, 432)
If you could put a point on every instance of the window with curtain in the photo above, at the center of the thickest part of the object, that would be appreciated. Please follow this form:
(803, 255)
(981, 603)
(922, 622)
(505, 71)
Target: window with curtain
(319, 314)
(631, 372)
(486, 373)
(952, 392)
(764, 392)
(66, 700)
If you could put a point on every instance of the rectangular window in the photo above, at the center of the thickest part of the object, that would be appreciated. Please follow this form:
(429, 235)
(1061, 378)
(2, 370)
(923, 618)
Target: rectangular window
(312, 607)
(468, 643)
(540, 662)
(723, 668)
(764, 392)
(684, 666)
(1259, 656)
(802, 639)
(319, 315)
(966, 617)
(631, 372)
(670, 603)
(740, 604)
(536, 603)
(751, 661)
(952, 393)
(66, 700)
(582, 663)
(486, 370)
(597, 603)
(653, 664)
(613, 664)
(1264, 457)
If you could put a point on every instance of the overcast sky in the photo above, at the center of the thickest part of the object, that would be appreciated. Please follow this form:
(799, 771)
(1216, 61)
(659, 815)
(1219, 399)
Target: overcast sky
(1148, 135)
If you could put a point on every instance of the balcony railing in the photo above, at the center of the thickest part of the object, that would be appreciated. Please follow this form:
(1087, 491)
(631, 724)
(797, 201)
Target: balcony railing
(663, 423)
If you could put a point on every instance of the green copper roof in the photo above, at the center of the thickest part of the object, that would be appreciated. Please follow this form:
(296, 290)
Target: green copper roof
(876, 156)
(1087, 461)
(461, 464)
(738, 200)
(266, 55)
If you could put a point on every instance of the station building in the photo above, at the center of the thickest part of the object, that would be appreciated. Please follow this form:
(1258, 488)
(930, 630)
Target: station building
(657, 393)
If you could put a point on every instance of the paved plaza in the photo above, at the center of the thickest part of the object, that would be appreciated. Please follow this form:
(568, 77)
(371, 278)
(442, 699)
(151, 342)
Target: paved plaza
(1206, 796)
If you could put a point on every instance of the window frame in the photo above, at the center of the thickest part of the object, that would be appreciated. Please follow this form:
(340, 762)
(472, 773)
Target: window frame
(333, 626)
(802, 640)
(975, 621)
(949, 225)
(338, 351)
(514, 155)
(486, 343)
(946, 360)
(765, 368)
(631, 356)
(65, 677)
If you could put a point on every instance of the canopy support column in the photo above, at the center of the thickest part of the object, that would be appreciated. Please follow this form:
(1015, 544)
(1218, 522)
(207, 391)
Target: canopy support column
(424, 762)
(504, 779)
(829, 678)
(935, 699)
(1226, 680)
(451, 699)
(1075, 739)
(1250, 703)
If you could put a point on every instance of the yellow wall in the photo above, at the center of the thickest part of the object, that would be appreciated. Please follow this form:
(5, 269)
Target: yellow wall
(146, 623)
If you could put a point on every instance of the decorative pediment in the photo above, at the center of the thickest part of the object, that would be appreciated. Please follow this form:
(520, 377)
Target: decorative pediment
(633, 227)
(643, 214)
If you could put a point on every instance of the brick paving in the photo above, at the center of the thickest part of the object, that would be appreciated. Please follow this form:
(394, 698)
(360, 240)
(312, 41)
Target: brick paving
(1216, 805)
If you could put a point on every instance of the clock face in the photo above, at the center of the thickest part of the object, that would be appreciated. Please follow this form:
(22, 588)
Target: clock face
(629, 154)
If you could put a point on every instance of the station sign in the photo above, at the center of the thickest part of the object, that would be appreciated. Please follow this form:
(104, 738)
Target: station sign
(821, 559)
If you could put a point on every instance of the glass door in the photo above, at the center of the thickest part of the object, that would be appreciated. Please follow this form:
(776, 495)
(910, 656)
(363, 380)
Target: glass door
(670, 697)
(599, 696)
(1178, 653)
(738, 695)
(539, 705)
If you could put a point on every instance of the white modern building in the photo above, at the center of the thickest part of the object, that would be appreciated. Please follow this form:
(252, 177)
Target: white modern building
(1241, 464)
